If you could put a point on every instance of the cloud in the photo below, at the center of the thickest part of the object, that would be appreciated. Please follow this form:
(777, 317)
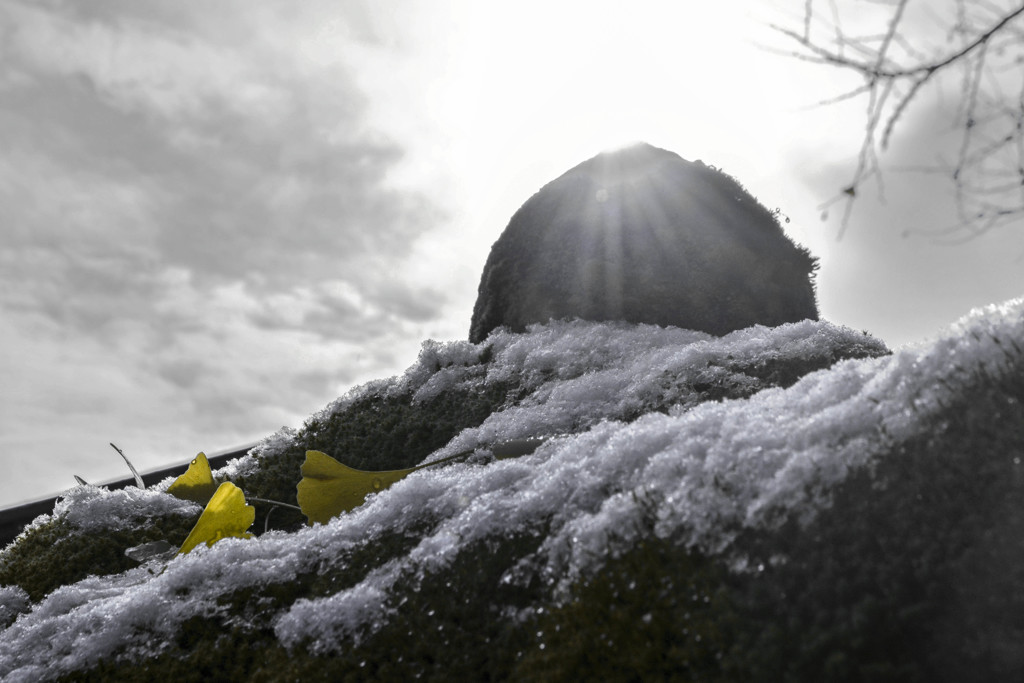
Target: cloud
(140, 146)
(889, 274)
(201, 232)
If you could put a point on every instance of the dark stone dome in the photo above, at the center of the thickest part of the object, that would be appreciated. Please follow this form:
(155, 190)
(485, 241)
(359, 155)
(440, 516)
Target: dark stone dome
(642, 235)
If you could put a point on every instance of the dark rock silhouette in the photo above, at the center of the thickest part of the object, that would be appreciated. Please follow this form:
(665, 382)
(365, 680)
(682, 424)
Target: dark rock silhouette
(642, 235)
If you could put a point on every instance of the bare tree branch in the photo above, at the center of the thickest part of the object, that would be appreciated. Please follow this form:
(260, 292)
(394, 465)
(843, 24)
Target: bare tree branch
(986, 42)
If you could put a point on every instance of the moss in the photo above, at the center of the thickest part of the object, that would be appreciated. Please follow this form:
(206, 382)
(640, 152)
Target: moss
(447, 625)
(455, 624)
(213, 651)
(56, 553)
(392, 433)
(255, 604)
(914, 573)
(388, 430)
(376, 432)
(657, 612)
(382, 431)
(739, 378)
(786, 371)
(873, 589)
(701, 252)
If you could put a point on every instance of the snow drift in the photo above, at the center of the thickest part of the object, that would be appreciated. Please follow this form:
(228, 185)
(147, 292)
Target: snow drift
(712, 455)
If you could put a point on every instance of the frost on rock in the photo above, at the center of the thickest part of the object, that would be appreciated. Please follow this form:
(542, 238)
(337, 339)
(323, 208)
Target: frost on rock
(94, 508)
(13, 601)
(576, 374)
(629, 442)
(76, 626)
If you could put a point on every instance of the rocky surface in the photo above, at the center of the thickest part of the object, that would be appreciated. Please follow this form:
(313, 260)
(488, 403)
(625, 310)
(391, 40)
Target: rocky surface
(642, 235)
(788, 503)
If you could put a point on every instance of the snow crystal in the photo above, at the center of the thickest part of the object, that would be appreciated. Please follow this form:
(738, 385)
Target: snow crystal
(626, 371)
(702, 471)
(247, 464)
(92, 508)
(707, 472)
(13, 601)
(355, 610)
(76, 626)
(244, 466)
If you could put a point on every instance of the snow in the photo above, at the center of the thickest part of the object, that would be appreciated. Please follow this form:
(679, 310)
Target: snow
(94, 507)
(704, 470)
(13, 601)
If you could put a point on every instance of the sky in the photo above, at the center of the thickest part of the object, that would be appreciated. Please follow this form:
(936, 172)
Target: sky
(217, 217)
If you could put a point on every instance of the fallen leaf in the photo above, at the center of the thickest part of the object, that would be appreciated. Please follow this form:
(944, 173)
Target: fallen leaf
(196, 484)
(226, 515)
(329, 488)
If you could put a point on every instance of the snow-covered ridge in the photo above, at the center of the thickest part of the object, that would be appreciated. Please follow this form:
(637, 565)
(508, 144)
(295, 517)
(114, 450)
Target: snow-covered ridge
(707, 471)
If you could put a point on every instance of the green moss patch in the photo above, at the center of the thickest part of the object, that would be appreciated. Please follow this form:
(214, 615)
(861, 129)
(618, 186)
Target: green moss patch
(56, 553)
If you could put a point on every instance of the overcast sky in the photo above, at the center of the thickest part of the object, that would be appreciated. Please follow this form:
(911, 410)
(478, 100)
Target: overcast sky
(216, 217)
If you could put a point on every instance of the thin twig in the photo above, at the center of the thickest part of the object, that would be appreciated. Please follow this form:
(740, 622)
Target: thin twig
(138, 477)
(990, 151)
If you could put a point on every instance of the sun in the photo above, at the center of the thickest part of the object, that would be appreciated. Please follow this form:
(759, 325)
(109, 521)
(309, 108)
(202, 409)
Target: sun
(578, 78)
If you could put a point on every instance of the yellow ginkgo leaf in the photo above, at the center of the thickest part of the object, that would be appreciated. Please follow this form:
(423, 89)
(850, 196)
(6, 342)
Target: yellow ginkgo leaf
(329, 488)
(225, 515)
(197, 483)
